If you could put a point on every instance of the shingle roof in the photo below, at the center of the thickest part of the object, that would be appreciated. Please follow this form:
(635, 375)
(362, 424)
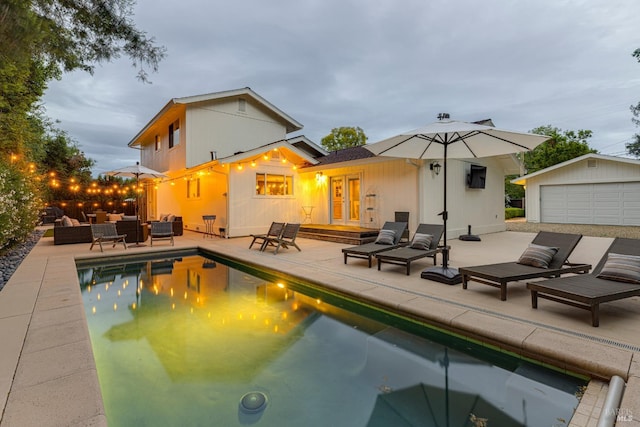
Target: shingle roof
(345, 155)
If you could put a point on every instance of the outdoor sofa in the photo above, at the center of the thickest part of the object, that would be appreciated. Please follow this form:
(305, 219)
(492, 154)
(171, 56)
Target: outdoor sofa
(128, 227)
(615, 277)
(498, 275)
(388, 238)
(69, 234)
(72, 231)
(416, 249)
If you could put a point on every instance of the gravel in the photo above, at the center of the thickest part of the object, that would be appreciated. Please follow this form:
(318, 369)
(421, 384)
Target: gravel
(11, 259)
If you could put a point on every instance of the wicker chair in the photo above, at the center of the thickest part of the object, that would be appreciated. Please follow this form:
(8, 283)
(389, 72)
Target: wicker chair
(103, 233)
(161, 230)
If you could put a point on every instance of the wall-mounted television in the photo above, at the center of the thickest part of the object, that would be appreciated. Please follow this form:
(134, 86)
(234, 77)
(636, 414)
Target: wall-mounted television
(477, 176)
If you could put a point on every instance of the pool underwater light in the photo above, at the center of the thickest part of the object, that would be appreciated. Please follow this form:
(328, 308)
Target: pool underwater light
(254, 401)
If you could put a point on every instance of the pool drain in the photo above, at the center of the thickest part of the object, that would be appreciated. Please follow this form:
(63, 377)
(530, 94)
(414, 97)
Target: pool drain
(253, 402)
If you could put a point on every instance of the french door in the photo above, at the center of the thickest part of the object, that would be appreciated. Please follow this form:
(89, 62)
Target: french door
(345, 199)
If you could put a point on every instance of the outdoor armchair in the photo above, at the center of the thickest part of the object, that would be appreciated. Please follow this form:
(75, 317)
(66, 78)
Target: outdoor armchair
(615, 277)
(420, 247)
(388, 238)
(161, 231)
(286, 239)
(106, 232)
(498, 275)
(275, 230)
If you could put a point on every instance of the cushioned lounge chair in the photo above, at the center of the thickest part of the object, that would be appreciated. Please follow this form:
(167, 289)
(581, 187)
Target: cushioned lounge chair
(275, 230)
(368, 250)
(498, 275)
(104, 233)
(286, 239)
(406, 254)
(587, 291)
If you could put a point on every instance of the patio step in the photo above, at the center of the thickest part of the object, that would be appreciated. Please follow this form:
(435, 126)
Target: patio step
(338, 234)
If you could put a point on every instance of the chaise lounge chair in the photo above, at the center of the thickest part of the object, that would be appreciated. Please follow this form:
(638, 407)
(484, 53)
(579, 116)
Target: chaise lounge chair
(286, 239)
(388, 238)
(529, 266)
(611, 280)
(416, 249)
(275, 230)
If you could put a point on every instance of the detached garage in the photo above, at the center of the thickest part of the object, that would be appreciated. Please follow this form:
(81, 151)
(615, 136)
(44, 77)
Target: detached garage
(591, 189)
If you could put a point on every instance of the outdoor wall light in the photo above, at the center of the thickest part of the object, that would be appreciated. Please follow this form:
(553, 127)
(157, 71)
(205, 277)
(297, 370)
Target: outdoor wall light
(435, 166)
(319, 177)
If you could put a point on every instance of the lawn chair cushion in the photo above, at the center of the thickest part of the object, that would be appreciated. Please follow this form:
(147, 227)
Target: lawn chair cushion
(386, 237)
(538, 256)
(621, 268)
(421, 241)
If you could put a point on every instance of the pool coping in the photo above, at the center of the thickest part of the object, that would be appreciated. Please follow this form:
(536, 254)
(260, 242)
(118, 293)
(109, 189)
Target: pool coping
(48, 350)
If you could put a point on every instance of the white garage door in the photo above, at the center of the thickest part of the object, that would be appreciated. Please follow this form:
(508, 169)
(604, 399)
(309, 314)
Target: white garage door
(605, 204)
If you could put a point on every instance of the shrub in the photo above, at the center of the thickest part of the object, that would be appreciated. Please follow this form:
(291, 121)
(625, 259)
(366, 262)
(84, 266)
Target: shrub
(513, 213)
(19, 205)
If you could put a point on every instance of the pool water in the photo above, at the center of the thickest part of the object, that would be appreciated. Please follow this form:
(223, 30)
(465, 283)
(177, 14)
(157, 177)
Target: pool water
(189, 341)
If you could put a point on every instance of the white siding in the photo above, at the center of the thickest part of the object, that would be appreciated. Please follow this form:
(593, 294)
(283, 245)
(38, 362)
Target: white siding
(604, 204)
(220, 127)
(583, 172)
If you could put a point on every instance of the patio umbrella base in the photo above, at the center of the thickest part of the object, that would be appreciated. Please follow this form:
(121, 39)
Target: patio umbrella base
(446, 275)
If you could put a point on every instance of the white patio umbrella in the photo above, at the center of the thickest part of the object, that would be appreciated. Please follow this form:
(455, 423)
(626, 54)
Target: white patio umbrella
(453, 139)
(138, 172)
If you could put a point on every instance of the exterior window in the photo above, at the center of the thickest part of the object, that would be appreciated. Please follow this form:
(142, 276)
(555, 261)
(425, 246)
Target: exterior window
(174, 134)
(274, 185)
(157, 142)
(193, 188)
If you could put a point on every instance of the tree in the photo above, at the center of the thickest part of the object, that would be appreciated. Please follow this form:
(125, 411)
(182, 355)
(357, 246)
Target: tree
(344, 137)
(39, 40)
(563, 146)
(71, 35)
(633, 148)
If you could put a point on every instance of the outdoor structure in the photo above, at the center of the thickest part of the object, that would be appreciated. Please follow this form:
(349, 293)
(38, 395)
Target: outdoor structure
(230, 154)
(590, 189)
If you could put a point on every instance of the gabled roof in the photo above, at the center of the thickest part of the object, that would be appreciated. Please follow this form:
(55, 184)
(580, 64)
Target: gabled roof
(291, 124)
(305, 144)
(253, 153)
(522, 180)
(345, 155)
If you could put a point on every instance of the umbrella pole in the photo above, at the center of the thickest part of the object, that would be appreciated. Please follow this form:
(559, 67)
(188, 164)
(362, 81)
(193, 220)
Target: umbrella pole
(444, 274)
(138, 220)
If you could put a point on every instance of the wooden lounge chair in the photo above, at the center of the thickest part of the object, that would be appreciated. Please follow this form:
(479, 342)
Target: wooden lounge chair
(587, 291)
(498, 275)
(161, 230)
(406, 254)
(275, 230)
(106, 232)
(368, 250)
(286, 239)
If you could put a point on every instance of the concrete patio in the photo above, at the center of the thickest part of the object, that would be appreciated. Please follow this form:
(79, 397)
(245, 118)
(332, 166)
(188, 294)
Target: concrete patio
(48, 375)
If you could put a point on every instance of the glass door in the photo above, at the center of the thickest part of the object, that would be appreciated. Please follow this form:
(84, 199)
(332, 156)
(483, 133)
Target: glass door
(354, 198)
(345, 200)
(337, 200)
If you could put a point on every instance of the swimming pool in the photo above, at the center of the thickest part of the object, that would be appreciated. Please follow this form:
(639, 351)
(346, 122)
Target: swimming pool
(182, 340)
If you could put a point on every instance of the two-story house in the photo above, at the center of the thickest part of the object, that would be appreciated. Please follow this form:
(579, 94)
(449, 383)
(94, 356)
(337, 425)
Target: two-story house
(230, 154)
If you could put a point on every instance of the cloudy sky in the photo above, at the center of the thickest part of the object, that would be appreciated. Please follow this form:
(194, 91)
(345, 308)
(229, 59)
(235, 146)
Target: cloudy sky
(386, 66)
